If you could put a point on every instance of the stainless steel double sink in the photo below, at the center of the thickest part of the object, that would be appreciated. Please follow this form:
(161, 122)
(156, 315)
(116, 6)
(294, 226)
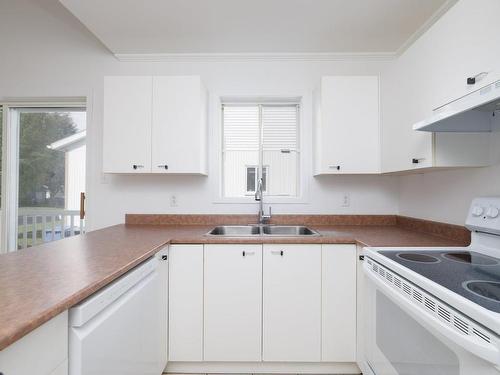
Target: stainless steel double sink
(262, 230)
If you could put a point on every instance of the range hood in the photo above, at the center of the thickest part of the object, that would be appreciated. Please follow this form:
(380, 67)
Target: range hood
(476, 112)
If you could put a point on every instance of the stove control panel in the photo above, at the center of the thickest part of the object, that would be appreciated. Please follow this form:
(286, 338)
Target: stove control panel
(484, 215)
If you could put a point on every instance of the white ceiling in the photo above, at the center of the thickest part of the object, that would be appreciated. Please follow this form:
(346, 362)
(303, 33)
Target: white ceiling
(256, 26)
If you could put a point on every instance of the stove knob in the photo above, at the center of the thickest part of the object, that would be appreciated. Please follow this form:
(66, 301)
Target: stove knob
(492, 212)
(477, 211)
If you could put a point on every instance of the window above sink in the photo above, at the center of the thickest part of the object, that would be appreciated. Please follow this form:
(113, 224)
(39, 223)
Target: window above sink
(260, 140)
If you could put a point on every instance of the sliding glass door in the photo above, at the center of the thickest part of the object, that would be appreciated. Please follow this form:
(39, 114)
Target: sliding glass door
(47, 174)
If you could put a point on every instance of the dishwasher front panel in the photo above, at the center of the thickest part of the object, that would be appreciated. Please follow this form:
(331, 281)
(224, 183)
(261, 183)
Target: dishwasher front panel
(122, 338)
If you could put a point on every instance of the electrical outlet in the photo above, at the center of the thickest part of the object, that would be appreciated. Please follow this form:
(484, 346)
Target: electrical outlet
(173, 201)
(346, 200)
(104, 178)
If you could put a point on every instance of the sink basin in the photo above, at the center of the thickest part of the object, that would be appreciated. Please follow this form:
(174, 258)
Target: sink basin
(235, 230)
(288, 230)
(262, 230)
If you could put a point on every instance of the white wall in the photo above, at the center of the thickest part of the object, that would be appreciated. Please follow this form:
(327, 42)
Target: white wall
(432, 71)
(47, 53)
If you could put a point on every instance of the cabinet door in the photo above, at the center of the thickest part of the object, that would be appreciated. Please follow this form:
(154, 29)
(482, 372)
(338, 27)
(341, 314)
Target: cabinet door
(233, 302)
(292, 303)
(127, 124)
(186, 303)
(338, 303)
(349, 131)
(162, 256)
(43, 351)
(179, 135)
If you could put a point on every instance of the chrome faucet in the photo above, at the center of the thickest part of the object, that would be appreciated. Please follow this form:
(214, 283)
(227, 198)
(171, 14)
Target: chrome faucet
(259, 197)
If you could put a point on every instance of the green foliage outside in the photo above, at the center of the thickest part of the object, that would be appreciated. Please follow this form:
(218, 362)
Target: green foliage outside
(42, 170)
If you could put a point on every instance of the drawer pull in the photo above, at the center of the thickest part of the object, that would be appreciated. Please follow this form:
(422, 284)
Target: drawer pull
(278, 252)
(245, 253)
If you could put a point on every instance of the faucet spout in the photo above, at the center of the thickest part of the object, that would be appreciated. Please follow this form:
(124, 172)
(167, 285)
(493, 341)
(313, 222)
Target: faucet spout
(263, 218)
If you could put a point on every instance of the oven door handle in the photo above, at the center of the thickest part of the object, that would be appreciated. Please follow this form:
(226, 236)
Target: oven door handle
(486, 351)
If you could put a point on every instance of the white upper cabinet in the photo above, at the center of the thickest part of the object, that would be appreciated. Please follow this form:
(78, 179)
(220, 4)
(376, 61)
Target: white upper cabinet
(233, 303)
(179, 136)
(346, 125)
(127, 124)
(431, 73)
(155, 125)
(405, 149)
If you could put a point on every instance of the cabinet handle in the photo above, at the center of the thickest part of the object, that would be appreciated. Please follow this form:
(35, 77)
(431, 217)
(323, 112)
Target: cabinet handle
(164, 257)
(245, 253)
(472, 80)
(137, 166)
(337, 167)
(417, 160)
(278, 252)
(163, 166)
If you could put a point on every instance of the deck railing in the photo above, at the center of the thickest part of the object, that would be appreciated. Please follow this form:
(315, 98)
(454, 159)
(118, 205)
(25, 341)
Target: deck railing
(37, 226)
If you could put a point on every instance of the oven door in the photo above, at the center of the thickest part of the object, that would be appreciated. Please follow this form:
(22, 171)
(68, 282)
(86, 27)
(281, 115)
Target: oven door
(402, 338)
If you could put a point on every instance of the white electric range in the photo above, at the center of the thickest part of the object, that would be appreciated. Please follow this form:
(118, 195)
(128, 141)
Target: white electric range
(435, 310)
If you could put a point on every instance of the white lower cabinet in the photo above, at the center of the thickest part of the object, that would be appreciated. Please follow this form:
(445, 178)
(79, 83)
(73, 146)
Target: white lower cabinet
(292, 303)
(162, 256)
(186, 303)
(43, 351)
(233, 303)
(249, 307)
(338, 275)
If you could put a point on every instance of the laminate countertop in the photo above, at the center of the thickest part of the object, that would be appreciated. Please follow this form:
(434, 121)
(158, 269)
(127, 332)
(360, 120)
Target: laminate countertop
(38, 283)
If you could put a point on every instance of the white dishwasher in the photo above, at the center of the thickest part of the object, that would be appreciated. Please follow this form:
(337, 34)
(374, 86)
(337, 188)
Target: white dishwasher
(118, 330)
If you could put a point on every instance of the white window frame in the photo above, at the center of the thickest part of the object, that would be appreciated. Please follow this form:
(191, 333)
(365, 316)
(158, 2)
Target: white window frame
(303, 168)
(10, 160)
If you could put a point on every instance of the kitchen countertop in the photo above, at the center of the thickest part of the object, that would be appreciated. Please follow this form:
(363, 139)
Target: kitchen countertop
(38, 283)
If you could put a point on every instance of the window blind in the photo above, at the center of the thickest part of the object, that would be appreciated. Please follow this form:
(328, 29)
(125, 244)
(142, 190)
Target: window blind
(241, 128)
(279, 124)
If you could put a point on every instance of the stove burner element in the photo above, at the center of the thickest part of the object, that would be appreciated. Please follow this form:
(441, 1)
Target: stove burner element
(417, 257)
(486, 289)
(471, 258)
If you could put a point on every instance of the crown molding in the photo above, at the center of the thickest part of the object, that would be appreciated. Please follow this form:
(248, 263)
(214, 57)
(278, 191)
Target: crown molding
(250, 57)
(292, 56)
(425, 26)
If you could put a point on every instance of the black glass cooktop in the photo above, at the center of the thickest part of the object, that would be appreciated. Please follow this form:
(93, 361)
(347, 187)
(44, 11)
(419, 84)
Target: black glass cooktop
(472, 275)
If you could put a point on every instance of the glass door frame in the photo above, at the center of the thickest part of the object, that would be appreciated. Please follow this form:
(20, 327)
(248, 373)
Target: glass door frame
(10, 162)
